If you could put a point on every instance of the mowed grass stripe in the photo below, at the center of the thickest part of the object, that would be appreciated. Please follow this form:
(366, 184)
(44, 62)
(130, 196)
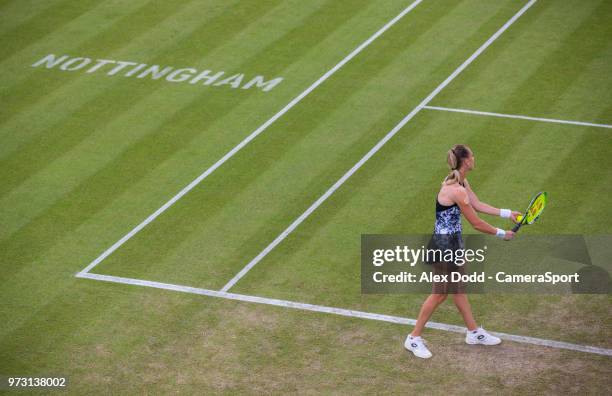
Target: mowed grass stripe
(41, 25)
(542, 29)
(148, 153)
(218, 246)
(583, 212)
(103, 185)
(110, 103)
(85, 94)
(66, 36)
(64, 93)
(59, 226)
(558, 69)
(591, 91)
(580, 187)
(16, 13)
(122, 32)
(540, 65)
(69, 140)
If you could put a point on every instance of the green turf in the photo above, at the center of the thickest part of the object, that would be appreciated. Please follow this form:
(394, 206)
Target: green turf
(86, 157)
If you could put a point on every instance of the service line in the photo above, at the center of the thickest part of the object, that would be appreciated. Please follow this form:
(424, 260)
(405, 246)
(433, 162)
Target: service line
(515, 116)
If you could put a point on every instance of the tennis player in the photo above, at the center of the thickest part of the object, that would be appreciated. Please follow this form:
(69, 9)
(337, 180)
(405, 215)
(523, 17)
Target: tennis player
(455, 198)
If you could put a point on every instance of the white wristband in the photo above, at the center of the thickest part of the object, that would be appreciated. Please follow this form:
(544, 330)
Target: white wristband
(500, 233)
(506, 213)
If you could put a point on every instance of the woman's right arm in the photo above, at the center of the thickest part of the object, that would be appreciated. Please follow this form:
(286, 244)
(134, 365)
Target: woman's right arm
(462, 199)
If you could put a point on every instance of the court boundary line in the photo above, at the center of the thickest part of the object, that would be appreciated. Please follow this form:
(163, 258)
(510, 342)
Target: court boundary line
(248, 139)
(340, 311)
(374, 149)
(516, 116)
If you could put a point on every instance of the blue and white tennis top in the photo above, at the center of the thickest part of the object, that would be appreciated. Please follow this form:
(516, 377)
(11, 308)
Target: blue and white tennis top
(448, 219)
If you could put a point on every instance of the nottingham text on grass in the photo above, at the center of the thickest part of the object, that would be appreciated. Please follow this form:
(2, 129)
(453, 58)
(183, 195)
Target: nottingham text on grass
(155, 72)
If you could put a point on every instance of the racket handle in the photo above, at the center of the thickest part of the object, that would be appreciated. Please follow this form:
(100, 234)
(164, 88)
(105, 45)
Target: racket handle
(516, 227)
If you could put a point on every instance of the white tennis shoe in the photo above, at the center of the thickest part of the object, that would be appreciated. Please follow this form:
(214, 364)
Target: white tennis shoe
(480, 336)
(417, 346)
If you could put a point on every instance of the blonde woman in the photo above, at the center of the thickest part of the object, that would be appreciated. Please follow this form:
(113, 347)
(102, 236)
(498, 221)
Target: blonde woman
(454, 199)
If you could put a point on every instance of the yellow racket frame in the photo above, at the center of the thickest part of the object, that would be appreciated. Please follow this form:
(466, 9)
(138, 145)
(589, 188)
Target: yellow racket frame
(534, 210)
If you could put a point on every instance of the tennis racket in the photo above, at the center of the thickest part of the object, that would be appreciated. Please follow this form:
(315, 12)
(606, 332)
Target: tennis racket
(534, 210)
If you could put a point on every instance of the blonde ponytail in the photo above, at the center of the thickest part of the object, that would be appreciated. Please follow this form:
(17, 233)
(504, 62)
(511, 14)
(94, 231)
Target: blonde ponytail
(453, 177)
(454, 158)
(451, 159)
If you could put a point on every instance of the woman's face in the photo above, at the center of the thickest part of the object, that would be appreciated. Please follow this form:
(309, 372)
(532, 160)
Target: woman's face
(470, 162)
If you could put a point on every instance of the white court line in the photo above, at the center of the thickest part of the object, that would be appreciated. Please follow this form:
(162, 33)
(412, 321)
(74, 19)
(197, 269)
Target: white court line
(342, 312)
(373, 151)
(248, 139)
(486, 113)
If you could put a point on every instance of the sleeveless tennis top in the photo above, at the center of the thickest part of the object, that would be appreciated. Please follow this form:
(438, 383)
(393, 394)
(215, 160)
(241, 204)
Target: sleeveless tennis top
(448, 219)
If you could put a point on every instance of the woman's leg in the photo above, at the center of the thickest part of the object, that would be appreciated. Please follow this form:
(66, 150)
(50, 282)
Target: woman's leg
(427, 309)
(463, 305)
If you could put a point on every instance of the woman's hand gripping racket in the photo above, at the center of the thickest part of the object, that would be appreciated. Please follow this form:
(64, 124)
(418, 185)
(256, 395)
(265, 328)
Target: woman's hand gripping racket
(534, 210)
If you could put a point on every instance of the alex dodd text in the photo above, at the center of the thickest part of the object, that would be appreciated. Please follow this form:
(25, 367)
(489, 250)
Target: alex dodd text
(476, 277)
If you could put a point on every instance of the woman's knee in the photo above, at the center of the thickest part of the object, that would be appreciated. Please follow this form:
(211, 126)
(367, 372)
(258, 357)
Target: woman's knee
(439, 298)
(459, 297)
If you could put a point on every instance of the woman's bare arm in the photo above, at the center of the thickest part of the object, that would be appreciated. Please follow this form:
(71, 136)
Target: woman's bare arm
(477, 204)
(461, 198)
(486, 208)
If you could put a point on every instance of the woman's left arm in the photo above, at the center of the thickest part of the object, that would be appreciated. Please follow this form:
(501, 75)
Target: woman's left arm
(484, 207)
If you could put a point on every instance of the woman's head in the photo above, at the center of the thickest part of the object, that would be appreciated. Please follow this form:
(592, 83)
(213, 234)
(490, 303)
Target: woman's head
(459, 158)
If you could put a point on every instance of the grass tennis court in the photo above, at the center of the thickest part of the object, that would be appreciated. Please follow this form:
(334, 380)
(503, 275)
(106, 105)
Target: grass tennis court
(85, 157)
